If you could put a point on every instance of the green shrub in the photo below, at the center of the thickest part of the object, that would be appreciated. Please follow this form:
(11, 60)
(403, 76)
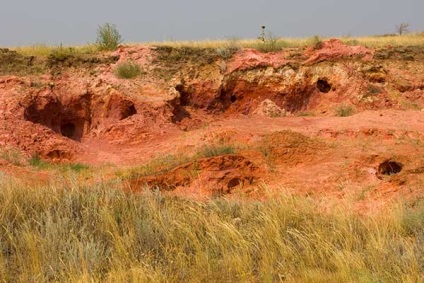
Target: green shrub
(270, 44)
(344, 111)
(315, 42)
(37, 162)
(127, 70)
(215, 150)
(351, 42)
(78, 167)
(108, 37)
(61, 53)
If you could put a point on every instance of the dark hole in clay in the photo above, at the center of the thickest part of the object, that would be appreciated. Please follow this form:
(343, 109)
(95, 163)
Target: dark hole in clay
(128, 112)
(184, 95)
(323, 86)
(67, 129)
(389, 168)
(233, 183)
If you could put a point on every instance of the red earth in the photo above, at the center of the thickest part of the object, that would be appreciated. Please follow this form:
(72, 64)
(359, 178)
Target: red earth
(344, 122)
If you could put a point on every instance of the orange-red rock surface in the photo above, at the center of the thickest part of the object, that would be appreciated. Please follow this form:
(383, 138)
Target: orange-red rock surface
(282, 111)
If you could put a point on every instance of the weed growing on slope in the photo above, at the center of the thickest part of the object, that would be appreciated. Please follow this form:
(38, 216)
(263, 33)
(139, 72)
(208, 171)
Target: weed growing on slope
(344, 110)
(127, 70)
(37, 162)
(215, 150)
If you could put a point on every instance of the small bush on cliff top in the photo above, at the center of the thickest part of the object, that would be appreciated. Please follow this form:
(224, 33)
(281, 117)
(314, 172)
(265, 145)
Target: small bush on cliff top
(315, 42)
(60, 54)
(108, 37)
(270, 43)
(127, 70)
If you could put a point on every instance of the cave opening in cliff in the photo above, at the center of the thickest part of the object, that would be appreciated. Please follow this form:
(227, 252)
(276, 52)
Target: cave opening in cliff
(323, 86)
(389, 167)
(128, 111)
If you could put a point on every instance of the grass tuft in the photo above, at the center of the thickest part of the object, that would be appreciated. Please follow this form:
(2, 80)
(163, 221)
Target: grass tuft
(36, 161)
(127, 70)
(344, 110)
(215, 150)
(270, 44)
(316, 42)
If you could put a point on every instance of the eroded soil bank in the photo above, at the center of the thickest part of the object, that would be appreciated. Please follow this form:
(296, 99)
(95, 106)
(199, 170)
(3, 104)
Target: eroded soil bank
(343, 121)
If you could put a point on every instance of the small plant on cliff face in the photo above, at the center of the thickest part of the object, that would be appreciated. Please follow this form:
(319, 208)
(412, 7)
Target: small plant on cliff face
(215, 150)
(37, 162)
(108, 37)
(127, 70)
(344, 111)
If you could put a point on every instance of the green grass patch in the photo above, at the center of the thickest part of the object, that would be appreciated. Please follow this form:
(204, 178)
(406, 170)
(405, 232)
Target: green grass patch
(270, 44)
(344, 110)
(37, 162)
(127, 70)
(215, 150)
(78, 167)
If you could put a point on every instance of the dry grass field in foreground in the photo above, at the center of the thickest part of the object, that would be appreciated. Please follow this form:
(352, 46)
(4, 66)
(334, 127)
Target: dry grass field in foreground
(69, 231)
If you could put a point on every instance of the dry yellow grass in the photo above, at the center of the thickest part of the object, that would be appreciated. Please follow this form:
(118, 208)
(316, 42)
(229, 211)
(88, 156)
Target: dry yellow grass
(369, 41)
(416, 39)
(384, 41)
(69, 231)
(45, 50)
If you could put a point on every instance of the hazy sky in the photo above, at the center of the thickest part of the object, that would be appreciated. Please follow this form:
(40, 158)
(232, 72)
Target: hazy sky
(26, 22)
